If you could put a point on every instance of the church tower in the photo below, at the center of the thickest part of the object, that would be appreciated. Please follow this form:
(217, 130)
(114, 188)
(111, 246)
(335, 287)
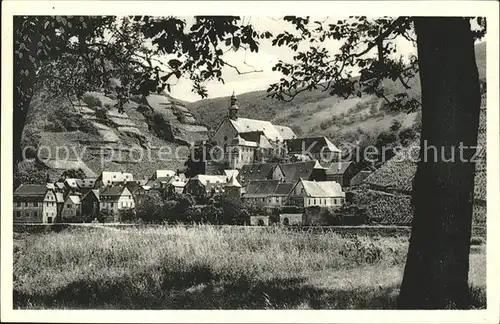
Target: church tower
(233, 108)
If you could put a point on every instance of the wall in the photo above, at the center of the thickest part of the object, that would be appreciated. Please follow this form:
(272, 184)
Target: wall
(254, 220)
(26, 212)
(293, 219)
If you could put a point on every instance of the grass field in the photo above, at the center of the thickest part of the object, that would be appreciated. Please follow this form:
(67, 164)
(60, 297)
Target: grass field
(213, 268)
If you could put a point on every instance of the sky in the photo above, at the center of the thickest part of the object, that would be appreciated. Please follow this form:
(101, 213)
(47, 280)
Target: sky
(264, 60)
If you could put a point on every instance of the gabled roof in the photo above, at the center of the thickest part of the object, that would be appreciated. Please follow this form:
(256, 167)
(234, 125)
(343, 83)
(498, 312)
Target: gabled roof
(59, 185)
(233, 183)
(243, 125)
(258, 171)
(71, 182)
(94, 192)
(74, 199)
(59, 197)
(261, 188)
(313, 145)
(112, 191)
(86, 183)
(164, 173)
(285, 132)
(322, 189)
(31, 190)
(297, 170)
(210, 179)
(115, 176)
(338, 167)
(257, 137)
(283, 189)
(231, 172)
(240, 141)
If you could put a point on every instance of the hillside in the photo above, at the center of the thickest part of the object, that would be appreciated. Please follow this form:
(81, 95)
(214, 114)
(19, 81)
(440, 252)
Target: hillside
(92, 135)
(318, 113)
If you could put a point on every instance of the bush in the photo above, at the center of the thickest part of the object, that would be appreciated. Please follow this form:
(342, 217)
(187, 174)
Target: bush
(150, 209)
(92, 99)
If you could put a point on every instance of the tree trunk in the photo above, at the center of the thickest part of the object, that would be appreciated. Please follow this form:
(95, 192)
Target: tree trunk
(437, 266)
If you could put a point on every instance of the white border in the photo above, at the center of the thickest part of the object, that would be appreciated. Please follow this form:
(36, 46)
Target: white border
(488, 9)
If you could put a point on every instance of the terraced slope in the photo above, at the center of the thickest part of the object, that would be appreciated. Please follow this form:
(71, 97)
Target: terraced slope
(151, 133)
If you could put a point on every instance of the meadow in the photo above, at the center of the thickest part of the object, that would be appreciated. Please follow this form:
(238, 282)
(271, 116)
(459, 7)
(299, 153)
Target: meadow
(205, 267)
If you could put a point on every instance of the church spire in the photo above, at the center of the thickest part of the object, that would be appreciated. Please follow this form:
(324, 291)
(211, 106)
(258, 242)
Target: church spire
(233, 108)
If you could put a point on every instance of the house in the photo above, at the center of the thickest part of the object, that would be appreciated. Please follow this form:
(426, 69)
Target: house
(34, 204)
(72, 209)
(280, 194)
(90, 205)
(139, 189)
(249, 135)
(260, 192)
(176, 184)
(115, 199)
(316, 193)
(260, 171)
(341, 172)
(109, 178)
(317, 148)
(248, 148)
(307, 170)
(86, 184)
(71, 185)
(233, 188)
(163, 174)
(204, 185)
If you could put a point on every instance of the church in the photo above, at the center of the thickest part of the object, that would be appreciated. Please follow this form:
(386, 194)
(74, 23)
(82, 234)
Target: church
(247, 141)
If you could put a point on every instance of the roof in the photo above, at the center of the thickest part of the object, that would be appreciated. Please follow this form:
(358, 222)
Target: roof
(115, 176)
(297, 170)
(311, 144)
(258, 171)
(238, 140)
(212, 179)
(94, 192)
(59, 197)
(322, 189)
(59, 185)
(31, 190)
(164, 173)
(338, 167)
(74, 199)
(257, 137)
(261, 188)
(231, 172)
(244, 125)
(71, 182)
(285, 132)
(283, 189)
(233, 183)
(86, 183)
(112, 191)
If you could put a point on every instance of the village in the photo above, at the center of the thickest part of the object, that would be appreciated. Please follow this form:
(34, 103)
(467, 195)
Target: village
(258, 164)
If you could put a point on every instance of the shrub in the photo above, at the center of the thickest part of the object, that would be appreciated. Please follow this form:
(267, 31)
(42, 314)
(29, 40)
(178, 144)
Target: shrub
(92, 99)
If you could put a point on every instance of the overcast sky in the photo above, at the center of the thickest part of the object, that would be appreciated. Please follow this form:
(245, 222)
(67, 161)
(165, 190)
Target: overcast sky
(264, 60)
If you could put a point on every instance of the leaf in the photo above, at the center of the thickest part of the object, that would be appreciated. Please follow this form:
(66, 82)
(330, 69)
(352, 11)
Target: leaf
(236, 42)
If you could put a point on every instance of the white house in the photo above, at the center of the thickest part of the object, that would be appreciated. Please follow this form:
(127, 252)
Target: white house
(108, 179)
(316, 193)
(115, 199)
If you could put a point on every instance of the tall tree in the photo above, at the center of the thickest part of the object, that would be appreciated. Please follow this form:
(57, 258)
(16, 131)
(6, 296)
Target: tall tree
(437, 267)
(436, 272)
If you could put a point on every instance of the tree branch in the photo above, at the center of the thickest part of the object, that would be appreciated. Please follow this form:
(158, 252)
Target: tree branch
(238, 71)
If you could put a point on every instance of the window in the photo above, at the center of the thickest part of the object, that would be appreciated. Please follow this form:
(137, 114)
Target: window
(68, 206)
(27, 214)
(35, 214)
(314, 201)
(110, 204)
(35, 204)
(18, 204)
(18, 214)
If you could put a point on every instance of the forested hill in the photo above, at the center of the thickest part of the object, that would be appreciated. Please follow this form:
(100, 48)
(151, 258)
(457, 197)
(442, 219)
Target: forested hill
(316, 112)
